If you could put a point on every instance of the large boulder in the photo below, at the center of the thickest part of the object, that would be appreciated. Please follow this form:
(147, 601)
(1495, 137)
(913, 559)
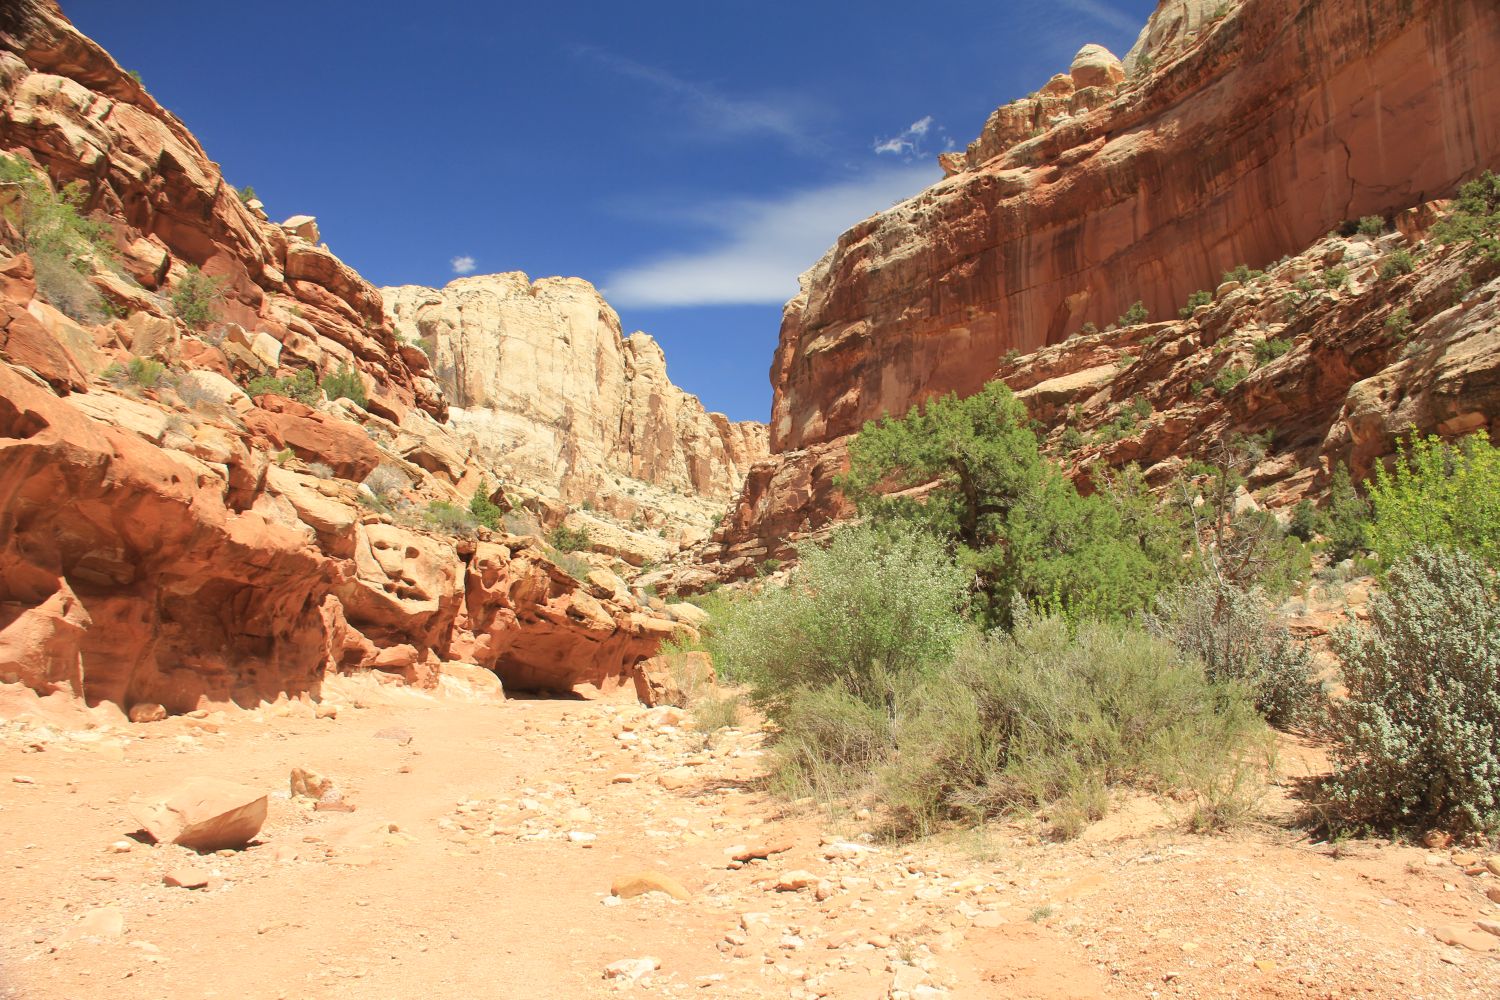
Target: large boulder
(206, 814)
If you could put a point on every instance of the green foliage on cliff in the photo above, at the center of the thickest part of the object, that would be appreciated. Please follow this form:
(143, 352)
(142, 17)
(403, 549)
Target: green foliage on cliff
(1009, 515)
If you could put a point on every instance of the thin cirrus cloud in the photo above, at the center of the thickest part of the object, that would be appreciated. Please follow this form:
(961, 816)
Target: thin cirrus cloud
(1113, 16)
(712, 114)
(910, 141)
(764, 244)
(463, 264)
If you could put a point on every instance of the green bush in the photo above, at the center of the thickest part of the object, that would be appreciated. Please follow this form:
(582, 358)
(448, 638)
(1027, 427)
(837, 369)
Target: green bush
(448, 517)
(1437, 494)
(302, 387)
(1202, 297)
(1345, 517)
(863, 615)
(1228, 629)
(1419, 734)
(1399, 263)
(196, 298)
(1135, 315)
(1371, 225)
(63, 243)
(1269, 350)
(566, 539)
(1475, 219)
(1244, 274)
(246, 194)
(1336, 277)
(1230, 377)
(1398, 324)
(141, 372)
(1050, 719)
(485, 510)
(345, 384)
(1016, 523)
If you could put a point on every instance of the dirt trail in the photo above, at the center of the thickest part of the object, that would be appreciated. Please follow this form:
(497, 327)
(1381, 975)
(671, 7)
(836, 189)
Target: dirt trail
(486, 835)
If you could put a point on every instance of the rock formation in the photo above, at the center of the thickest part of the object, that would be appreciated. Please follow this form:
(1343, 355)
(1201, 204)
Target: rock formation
(1246, 132)
(168, 542)
(545, 389)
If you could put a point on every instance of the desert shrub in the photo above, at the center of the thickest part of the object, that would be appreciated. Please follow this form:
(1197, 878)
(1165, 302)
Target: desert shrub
(572, 564)
(566, 539)
(1050, 718)
(386, 479)
(1475, 219)
(1234, 545)
(321, 469)
(1398, 324)
(1230, 377)
(1371, 225)
(61, 283)
(1336, 277)
(1399, 263)
(302, 387)
(862, 615)
(1202, 297)
(63, 243)
(712, 712)
(485, 510)
(1135, 315)
(1437, 494)
(1269, 350)
(246, 194)
(1229, 630)
(520, 523)
(1015, 523)
(1419, 734)
(448, 517)
(829, 743)
(1243, 273)
(196, 298)
(345, 384)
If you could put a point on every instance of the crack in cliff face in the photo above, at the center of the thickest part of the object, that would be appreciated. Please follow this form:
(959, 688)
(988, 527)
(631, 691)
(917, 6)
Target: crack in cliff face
(1348, 173)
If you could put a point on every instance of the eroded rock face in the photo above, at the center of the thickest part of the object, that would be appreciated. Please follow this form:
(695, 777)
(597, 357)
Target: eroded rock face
(544, 386)
(1245, 133)
(1249, 140)
(66, 106)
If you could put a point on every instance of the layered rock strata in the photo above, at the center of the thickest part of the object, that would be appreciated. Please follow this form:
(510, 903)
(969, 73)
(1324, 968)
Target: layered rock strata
(168, 540)
(1245, 133)
(544, 388)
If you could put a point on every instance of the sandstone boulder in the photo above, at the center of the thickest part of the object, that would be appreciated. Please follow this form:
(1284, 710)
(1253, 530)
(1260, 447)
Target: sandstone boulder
(1096, 66)
(206, 814)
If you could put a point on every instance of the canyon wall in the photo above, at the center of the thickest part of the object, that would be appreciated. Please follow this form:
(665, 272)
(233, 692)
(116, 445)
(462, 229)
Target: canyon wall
(166, 539)
(1244, 133)
(545, 389)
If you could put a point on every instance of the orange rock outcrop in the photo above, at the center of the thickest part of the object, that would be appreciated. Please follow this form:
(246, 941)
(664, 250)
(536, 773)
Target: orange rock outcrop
(1246, 132)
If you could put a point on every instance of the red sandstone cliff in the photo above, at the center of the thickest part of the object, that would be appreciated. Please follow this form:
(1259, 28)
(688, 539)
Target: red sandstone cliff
(169, 540)
(1240, 139)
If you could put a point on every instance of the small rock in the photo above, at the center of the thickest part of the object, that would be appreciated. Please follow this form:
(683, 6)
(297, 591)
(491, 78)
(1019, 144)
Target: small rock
(333, 807)
(908, 978)
(1489, 926)
(624, 779)
(795, 881)
(326, 711)
(147, 711)
(186, 877)
(1493, 893)
(757, 852)
(1464, 937)
(24, 779)
(1437, 839)
(640, 883)
(310, 784)
(631, 969)
(1493, 864)
(580, 837)
(121, 847)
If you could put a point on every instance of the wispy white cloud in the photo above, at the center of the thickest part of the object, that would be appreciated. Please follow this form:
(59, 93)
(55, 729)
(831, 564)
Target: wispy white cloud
(1109, 14)
(712, 113)
(764, 244)
(907, 142)
(463, 264)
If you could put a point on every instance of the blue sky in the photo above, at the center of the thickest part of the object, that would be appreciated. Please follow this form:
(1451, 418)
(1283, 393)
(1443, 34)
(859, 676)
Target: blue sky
(690, 159)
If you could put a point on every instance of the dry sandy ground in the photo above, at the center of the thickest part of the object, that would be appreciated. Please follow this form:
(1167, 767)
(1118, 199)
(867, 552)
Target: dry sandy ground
(456, 877)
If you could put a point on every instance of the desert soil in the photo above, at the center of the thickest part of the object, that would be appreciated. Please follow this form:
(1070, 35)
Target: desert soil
(486, 836)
